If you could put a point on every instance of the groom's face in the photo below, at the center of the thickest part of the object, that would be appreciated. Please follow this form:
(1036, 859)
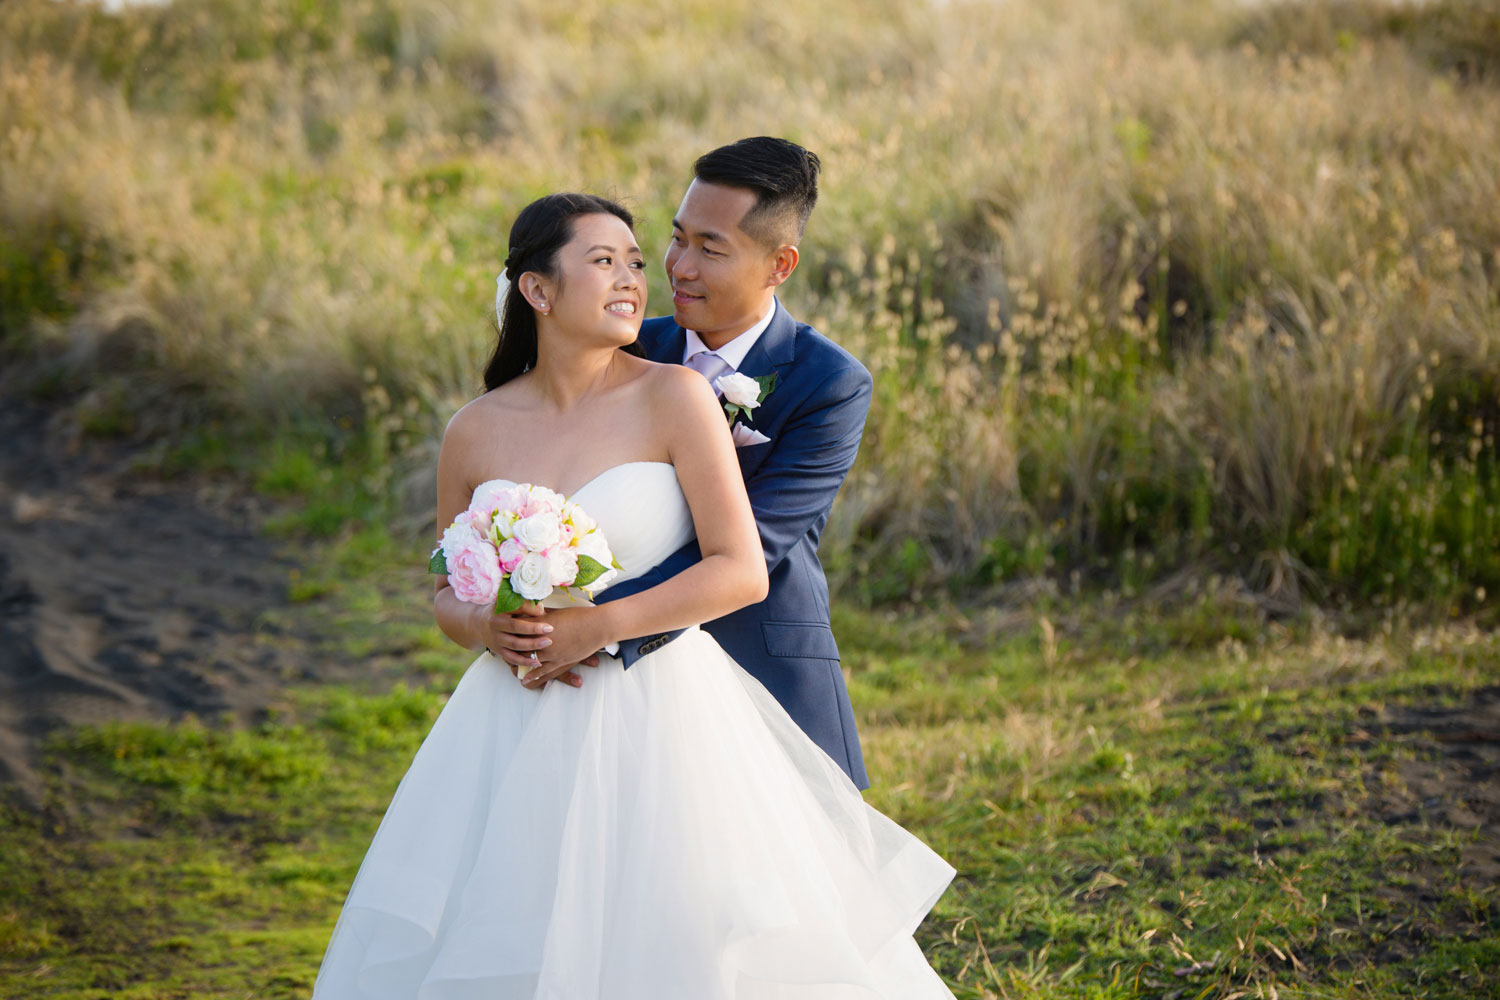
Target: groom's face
(721, 278)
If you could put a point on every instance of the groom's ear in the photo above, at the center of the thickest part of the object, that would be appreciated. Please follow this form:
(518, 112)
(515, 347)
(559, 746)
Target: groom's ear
(783, 262)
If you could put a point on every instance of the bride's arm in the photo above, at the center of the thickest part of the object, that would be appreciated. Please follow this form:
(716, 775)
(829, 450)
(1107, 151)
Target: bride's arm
(732, 573)
(469, 625)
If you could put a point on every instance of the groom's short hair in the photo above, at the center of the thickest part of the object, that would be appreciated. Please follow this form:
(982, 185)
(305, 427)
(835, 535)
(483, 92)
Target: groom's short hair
(784, 177)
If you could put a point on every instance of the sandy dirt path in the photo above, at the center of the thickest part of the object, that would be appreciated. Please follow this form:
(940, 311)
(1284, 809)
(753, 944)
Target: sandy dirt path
(123, 596)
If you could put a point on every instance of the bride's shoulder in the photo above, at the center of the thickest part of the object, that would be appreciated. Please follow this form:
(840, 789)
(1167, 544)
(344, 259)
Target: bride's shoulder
(674, 385)
(476, 415)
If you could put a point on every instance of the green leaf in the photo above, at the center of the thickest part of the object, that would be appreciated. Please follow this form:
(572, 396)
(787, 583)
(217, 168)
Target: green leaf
(766, 383)
(507, 600)
(732, 411)
(589, 570)
(438, 563)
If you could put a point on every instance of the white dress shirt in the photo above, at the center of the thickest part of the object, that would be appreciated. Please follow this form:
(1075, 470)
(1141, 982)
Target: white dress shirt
(733, 352)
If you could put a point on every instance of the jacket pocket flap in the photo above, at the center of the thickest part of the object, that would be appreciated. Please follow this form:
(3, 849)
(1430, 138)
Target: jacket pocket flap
(800, 639)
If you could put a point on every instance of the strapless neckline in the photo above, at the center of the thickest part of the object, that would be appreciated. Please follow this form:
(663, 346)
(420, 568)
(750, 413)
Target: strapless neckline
(612, 469)
(598, 478)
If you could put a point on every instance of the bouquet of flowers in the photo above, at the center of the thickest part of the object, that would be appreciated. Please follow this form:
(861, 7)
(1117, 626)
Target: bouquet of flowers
(517, 543)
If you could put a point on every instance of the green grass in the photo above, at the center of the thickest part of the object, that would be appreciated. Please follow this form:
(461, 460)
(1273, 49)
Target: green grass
(1116, 822)
(1193, 815)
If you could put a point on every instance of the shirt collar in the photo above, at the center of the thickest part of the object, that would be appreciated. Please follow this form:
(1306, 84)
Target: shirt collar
(733, 352)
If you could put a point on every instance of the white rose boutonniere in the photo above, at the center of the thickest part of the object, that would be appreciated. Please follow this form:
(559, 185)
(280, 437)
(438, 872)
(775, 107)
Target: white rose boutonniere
(743, 393)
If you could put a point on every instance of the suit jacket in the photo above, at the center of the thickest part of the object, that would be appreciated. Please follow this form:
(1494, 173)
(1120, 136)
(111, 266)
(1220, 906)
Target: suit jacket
(814, 419)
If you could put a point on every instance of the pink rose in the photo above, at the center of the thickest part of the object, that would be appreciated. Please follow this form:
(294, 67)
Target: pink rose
(473, 566)
(540, 500)
(511, 554)
(497, 494)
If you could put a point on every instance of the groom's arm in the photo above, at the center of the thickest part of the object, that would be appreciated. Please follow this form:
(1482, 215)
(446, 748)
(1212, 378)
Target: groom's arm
(630, 649)
(812, 455)
(794, 487)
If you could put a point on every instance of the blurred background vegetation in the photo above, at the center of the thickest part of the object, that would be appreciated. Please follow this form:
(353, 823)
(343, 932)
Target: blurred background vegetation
(1159, 296)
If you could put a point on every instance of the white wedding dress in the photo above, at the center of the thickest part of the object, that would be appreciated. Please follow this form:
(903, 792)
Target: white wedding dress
(661, 833)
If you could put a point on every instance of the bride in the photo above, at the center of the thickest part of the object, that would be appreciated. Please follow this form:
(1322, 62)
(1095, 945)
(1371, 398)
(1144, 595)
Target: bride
(666, 833)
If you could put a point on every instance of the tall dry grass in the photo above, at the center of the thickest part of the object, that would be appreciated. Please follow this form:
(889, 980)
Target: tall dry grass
(1146, 287)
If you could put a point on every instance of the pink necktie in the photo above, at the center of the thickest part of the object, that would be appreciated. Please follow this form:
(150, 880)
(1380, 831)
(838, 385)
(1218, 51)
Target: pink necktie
(710, 366)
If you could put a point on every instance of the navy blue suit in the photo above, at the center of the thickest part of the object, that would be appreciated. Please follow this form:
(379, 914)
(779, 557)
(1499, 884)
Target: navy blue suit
(814, 418)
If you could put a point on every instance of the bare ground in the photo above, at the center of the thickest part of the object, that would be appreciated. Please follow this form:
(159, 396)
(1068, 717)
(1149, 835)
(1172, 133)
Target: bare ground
(1454, 780)
(126, 596)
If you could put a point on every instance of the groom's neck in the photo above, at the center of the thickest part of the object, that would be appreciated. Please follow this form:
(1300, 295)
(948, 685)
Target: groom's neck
(718, 338)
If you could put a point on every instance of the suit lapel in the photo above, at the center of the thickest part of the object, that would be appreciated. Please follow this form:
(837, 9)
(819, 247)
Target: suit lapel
(667, 347)
(775, 349)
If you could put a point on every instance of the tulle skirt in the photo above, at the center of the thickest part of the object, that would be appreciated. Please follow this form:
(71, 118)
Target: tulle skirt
(661, 833)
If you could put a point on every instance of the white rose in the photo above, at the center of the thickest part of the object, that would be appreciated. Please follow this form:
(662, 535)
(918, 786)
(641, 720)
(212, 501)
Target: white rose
(596, 548)
(741, 390)
(503, 526)
(579, 518)
(562, 564)
(538, 532)
(532, 579)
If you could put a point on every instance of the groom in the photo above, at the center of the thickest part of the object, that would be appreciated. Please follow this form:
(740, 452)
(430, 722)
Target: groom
(734, 241)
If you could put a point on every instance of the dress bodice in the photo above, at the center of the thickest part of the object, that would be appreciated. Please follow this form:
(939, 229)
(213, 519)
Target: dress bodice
(642, 512)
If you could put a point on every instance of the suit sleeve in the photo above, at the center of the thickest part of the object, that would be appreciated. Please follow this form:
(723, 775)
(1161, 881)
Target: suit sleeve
(815, 448)
(793, 488)
(630, 649)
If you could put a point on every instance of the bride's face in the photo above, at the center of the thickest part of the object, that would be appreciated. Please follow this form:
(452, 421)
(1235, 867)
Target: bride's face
(600, 290)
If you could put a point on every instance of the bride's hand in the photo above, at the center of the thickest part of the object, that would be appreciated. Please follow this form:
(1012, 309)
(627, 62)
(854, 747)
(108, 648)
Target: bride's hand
(514, 637)
(576, 636)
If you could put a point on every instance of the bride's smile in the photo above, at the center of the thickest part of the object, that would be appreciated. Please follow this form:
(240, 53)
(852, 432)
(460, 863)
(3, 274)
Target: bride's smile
(599, 291)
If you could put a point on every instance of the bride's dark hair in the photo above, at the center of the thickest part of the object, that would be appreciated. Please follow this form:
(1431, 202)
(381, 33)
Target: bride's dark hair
(539, 232)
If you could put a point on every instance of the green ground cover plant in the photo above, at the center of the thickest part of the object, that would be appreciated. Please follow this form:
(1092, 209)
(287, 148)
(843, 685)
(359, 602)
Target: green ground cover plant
(1187, 815)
